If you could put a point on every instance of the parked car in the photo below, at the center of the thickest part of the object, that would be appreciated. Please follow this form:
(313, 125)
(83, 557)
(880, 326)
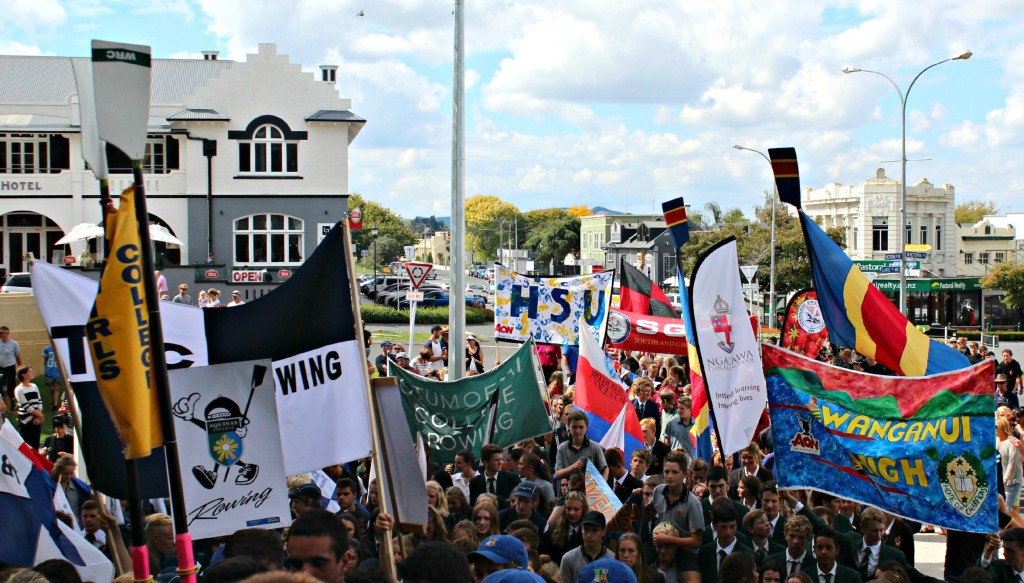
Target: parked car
(476, 290)
(490, 287)
(393, 297)
(676, 303)
(440, 299)
(19, 282)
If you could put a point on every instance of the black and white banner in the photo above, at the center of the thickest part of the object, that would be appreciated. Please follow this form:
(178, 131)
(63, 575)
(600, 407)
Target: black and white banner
(306, 327)
(232, 468)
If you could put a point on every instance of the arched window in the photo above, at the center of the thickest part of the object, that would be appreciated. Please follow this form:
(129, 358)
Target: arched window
(268, 152)
(268, 239)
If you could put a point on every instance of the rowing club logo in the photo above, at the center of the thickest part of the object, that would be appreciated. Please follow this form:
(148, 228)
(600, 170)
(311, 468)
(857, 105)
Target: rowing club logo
(225, 425)
(720, 322)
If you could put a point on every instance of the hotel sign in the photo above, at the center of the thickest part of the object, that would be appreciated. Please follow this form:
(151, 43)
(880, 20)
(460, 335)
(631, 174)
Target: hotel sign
(19, 185)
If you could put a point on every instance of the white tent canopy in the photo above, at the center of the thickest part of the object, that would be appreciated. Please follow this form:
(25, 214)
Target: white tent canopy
(673, 282)
(86, 231)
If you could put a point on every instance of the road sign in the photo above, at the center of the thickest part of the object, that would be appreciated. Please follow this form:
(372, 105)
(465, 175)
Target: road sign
(748, 271)
(893, 256)
(917, 255)
(890, 270)
(922, 247)
(414, 296)
(418, 273)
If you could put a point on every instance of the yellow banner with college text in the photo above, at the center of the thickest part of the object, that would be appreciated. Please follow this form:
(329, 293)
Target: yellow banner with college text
(118, 334)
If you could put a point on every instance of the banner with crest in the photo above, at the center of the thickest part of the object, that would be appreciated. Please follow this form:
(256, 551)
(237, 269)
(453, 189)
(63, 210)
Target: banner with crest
(803, 330)
(928, 455)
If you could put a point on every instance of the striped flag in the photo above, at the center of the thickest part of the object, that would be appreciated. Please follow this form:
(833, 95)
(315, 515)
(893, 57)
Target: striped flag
(787, 174)
(118, 332)
(637, 293)
(701, 430)
(675, 217)
(856, 314)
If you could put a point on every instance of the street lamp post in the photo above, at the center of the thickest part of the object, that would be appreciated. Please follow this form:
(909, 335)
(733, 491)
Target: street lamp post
(903, 160)
(374, 230)
(771, 269)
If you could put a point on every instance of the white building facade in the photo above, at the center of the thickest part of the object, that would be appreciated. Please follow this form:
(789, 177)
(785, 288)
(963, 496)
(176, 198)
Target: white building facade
(869, 212)
(245, 160)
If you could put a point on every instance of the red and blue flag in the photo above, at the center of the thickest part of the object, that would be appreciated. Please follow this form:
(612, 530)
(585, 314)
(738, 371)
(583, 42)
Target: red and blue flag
(603, 397)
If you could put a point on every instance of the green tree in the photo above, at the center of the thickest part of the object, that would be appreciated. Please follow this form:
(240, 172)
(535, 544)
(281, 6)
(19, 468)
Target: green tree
(972, 211)
(388, 249)
(431, 223)
(555, 239)
(734, 216)
(1008, 278)
(714, 213)
(388, 223)
(488, 219)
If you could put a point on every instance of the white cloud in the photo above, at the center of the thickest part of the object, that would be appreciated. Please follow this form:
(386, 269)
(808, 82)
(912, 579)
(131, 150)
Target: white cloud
(11, 47)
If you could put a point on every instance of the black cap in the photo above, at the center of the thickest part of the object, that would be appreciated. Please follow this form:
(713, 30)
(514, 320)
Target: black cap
(594, 518)
(307, 491)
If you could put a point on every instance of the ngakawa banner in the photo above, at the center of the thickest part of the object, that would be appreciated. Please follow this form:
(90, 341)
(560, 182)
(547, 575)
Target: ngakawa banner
(549, 309)
(231, 463)
(504, 401)
(728, 350)
(918, 447)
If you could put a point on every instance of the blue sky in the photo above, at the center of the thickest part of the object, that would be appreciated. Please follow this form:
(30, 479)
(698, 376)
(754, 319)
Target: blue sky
(611, 103)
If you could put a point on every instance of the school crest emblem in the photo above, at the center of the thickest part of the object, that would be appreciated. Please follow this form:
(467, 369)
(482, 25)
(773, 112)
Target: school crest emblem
(964, 483)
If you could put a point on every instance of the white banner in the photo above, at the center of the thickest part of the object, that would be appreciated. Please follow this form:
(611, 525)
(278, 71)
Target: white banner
(728, 350)
(549, 309)
(232, 468)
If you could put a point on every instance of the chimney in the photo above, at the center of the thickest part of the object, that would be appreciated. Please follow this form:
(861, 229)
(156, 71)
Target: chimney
(210, 55)
(328, 73)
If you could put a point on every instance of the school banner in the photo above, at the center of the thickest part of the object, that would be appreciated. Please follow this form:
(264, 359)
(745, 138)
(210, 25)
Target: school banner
(803, 330)
(118, 333)
(919, 447)
(549, 309)
(600, 495)
(504, 401)
(319, 368)
(231, 463)
(727, 347)
(635, 331)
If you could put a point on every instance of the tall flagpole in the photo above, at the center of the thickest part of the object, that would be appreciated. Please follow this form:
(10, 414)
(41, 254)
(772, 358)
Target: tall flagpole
(457, 289)
(158, 368)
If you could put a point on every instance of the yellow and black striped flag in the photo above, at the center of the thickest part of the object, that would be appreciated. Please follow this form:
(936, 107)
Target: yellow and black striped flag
(118, 334)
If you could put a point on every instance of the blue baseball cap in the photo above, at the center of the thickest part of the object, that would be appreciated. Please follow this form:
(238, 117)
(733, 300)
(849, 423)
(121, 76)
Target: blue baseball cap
(606, 571)
(513, 576)
(503, 550)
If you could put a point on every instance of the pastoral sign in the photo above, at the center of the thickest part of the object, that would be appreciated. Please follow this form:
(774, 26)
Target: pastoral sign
(501, 406)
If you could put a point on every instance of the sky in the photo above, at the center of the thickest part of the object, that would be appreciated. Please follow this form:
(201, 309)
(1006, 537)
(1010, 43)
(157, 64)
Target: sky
(621, 104)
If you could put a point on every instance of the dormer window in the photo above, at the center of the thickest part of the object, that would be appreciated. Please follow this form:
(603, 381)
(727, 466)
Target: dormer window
(268, 148)
(268, 153)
